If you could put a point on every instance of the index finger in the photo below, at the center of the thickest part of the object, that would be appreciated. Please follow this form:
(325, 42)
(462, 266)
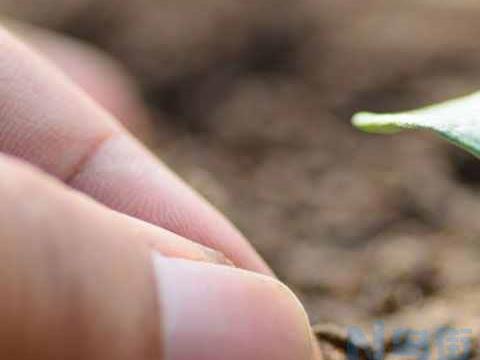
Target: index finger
(48, 121)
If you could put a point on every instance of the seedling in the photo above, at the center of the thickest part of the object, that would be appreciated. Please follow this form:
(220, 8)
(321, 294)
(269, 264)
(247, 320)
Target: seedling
(457, 120)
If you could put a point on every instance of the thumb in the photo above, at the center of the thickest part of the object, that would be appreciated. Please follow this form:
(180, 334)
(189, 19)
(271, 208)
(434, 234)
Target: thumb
(213, 312)
(77, 284)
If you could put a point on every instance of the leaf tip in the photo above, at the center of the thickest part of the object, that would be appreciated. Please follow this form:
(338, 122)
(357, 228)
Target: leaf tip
(375, 123)
(361, 119)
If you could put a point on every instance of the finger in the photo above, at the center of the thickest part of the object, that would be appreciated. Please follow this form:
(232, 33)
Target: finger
(214, 312)
(167, 243)
(51, 123)
(81, 289)
(100, 76)
(158, 239)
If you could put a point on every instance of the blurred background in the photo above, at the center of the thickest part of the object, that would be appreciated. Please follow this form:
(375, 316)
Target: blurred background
(251, 103)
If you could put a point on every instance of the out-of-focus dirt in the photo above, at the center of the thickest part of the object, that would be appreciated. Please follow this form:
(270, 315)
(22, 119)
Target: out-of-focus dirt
(253, 100)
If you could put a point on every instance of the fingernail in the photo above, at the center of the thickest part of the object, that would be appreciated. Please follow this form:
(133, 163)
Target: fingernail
(216, 257)
(191, 251)
(212, 312)
(170, 244)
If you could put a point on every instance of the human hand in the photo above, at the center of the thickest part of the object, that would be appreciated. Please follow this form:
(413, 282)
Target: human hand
(105, 253)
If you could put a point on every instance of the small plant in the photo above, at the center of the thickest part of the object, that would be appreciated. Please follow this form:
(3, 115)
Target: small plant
(457, 120)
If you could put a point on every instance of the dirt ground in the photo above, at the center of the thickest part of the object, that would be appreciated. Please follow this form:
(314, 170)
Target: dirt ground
(252, 101)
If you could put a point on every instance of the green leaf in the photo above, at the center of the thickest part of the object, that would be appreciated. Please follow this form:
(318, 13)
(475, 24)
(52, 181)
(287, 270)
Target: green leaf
(457, 120)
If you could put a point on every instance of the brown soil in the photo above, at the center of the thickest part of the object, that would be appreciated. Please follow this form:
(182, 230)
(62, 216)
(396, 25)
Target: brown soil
(253, 100)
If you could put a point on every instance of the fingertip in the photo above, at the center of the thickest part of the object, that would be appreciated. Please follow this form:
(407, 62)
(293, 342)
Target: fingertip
(215, 312)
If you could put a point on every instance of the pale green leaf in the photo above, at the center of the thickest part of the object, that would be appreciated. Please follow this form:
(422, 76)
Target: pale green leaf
(457, 120)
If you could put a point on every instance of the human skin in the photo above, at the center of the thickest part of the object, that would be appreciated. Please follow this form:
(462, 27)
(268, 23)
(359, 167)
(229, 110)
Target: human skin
(104, 252)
